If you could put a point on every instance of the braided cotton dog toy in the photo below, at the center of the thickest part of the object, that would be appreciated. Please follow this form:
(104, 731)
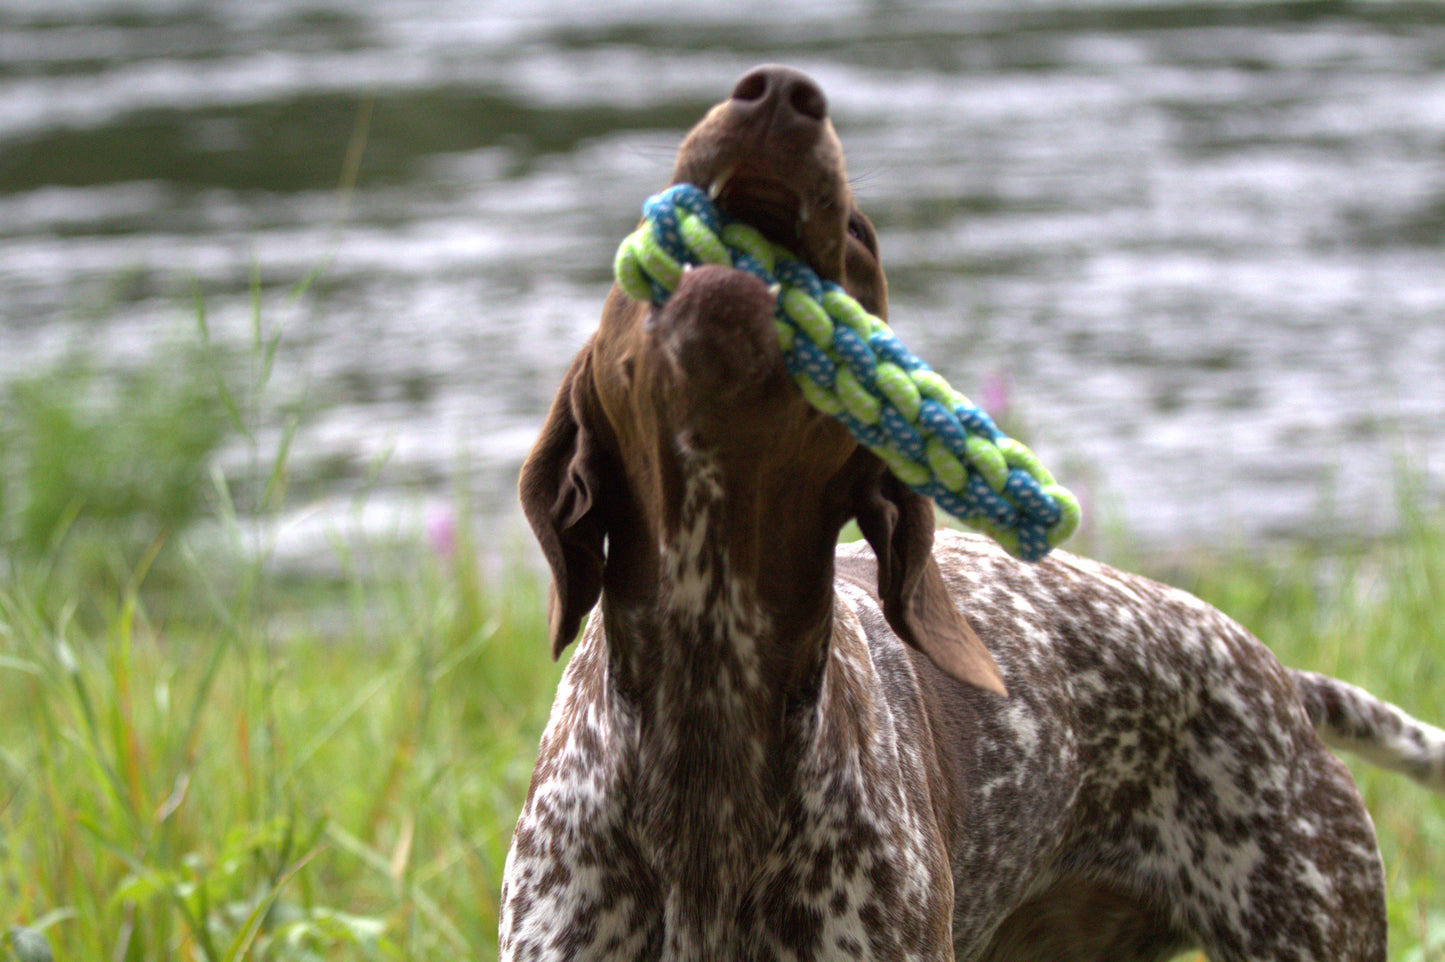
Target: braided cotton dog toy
(851, 366)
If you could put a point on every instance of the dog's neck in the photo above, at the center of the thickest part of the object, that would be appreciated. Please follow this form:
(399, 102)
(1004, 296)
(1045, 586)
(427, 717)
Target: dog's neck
(723, 684)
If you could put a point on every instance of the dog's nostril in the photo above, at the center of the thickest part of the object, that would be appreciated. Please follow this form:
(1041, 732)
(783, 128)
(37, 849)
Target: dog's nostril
(754, 86)
(789, 88)
(808, 100)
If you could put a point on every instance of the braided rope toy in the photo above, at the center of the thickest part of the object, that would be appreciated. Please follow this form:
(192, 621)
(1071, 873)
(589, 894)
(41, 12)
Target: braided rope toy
(848, 364)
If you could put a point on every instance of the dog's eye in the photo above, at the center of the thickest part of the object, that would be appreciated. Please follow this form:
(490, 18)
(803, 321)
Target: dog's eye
(860, 231)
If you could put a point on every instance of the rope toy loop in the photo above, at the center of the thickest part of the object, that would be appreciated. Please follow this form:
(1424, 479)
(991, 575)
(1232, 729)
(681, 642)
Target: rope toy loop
(849, 365)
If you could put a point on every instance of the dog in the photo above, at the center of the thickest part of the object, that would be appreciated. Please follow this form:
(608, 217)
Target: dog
(915, 747)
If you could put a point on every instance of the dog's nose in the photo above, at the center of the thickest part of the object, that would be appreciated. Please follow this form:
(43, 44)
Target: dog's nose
(785, 98)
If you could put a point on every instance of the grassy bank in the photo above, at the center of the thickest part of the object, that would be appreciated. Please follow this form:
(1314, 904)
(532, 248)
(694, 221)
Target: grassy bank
(217, 791)
(202, 759)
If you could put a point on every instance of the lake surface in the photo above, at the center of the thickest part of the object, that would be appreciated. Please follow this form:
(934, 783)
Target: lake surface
(1190, 252)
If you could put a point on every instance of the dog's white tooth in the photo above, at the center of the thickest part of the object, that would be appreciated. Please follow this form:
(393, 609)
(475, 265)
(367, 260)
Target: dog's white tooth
(719, 182)
(775, 288)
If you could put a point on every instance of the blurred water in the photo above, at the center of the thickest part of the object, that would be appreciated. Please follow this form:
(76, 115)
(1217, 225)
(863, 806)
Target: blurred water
(1195, 248)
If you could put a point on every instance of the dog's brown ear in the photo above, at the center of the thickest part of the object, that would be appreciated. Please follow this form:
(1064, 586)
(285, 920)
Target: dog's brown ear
(898, 524)
(561, 489)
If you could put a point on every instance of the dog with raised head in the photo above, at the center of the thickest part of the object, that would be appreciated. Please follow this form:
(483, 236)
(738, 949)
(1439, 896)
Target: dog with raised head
(768, 747)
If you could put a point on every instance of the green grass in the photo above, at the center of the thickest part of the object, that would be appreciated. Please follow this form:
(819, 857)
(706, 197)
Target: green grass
(204, 758)
(216, 791)
(201, 759)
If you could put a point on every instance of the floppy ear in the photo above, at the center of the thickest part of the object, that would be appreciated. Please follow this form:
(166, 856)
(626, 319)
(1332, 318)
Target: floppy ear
(561, 491)
(898, 524)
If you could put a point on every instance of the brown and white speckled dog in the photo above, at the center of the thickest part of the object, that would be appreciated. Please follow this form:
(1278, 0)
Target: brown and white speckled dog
(765, 750)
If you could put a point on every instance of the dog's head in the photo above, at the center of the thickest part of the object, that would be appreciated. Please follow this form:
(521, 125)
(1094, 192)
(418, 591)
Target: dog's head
(701, 379)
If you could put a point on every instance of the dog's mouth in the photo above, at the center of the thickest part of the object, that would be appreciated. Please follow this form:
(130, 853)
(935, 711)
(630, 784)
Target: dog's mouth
(770, 206)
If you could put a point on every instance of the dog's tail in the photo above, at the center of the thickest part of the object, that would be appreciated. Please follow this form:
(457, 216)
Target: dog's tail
(1352, 719)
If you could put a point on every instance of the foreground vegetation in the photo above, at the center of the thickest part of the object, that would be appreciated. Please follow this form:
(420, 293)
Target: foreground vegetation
(204, 759)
